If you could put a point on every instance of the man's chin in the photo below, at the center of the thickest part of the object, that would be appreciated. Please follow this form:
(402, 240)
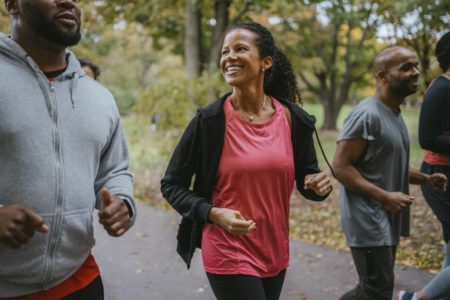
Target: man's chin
(66, 39)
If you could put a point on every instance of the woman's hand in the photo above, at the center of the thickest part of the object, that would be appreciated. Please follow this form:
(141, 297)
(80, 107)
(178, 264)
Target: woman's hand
(231, 220)
(437, 182)
(320, 183)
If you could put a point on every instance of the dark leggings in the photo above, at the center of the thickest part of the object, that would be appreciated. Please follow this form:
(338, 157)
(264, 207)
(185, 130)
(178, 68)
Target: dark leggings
(246, 287)
(93, 291)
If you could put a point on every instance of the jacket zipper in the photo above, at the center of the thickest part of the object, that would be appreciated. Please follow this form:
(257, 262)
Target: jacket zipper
(58, 218)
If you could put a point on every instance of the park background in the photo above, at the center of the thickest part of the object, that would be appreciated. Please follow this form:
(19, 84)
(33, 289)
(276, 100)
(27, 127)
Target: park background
(160, 60)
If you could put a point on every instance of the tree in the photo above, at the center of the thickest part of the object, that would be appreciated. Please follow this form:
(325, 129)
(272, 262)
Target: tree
(124, 52)
(196, 26)
(416, 24)
(333, 42)
(193, 38)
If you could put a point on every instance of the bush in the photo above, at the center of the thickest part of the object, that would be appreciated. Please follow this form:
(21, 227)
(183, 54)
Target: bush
(172, 104)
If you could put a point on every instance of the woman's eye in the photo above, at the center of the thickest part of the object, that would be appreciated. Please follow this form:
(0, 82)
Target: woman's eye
(225, 52)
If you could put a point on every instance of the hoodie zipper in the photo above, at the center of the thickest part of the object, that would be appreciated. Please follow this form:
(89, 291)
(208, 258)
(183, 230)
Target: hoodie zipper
(58, 217)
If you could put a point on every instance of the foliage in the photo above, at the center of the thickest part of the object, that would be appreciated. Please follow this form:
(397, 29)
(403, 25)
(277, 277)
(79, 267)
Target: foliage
(167, 20)
(4, 23)
(416, 24)
(124, 52)
(175, 101)
(331, 44)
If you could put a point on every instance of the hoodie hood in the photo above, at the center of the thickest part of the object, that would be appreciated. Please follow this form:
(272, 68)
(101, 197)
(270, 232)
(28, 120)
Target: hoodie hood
(13, 51)
(10, 49)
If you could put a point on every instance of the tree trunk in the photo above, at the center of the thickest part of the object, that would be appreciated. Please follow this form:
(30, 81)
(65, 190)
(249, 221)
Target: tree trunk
(425, 63)
(193, 38)
(331, 113)
(221, 15)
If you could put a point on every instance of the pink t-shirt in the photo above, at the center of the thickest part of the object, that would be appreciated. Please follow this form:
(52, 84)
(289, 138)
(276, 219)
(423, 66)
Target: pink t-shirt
(256, 177)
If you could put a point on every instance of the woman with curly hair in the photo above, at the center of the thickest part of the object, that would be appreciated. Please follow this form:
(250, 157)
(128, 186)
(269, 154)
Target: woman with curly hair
(245, 151)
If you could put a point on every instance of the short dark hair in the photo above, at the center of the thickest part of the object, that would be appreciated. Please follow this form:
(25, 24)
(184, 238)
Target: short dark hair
(87, 63)
(443, 51)
(279, 79)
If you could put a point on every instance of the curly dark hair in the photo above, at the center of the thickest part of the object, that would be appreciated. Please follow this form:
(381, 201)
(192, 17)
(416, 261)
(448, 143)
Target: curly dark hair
(279, 80)
(443, 52)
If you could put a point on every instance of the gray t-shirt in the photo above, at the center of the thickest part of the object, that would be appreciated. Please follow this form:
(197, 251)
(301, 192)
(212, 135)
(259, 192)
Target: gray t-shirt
(385, 163)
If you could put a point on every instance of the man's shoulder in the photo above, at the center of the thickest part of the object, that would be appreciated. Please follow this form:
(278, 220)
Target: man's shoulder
(88, 85)
(367, 103)
(365, 108)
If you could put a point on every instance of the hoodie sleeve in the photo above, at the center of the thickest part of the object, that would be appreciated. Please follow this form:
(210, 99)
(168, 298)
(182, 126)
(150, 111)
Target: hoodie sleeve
(113, 170)
(176, 183)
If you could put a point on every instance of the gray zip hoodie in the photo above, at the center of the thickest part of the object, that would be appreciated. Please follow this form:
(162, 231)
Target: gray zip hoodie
(60, 143)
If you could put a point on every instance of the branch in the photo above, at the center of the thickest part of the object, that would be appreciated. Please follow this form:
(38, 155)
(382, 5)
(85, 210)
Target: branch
(348, 68)
(308, 83)
(368, 27)
(243, 10)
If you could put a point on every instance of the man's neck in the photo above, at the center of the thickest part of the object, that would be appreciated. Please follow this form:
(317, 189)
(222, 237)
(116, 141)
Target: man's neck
(390, 100)
(47, 55)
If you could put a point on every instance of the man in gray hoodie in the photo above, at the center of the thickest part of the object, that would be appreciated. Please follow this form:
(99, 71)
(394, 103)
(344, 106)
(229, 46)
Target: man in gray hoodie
(62, 154)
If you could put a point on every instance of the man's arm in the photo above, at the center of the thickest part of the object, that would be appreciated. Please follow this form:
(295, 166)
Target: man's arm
(348, 152)
(113, 186)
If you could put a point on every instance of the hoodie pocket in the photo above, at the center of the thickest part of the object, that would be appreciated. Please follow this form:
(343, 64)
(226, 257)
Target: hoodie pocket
(25, 265)
(75, 242)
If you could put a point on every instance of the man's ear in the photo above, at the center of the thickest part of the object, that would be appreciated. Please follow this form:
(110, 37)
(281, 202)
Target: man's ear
(380, 75)
(12, 7)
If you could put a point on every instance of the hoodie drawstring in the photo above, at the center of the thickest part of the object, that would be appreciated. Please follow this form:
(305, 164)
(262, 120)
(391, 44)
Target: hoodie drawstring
(73, 89)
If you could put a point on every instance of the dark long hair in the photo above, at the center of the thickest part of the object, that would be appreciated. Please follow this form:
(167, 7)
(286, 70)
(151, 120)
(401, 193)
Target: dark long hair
(279, 80)
(443, 52)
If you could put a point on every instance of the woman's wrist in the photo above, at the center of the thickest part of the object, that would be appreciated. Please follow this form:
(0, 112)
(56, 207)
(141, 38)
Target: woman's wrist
(213, 213)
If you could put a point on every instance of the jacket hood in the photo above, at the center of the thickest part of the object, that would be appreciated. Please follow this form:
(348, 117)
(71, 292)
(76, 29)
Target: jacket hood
(14, 51)
(10, 50)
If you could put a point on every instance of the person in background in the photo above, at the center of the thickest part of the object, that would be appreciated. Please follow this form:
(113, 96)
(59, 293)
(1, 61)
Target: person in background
(434, 137)
(62, 153)
(245, 151)
(372, 165)
(90, 68)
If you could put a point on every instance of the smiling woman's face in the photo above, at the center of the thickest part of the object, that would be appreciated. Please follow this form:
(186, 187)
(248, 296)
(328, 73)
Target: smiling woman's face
(240, 62)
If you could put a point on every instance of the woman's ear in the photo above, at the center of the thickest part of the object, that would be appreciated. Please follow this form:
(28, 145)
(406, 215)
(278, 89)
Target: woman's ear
(266, 63)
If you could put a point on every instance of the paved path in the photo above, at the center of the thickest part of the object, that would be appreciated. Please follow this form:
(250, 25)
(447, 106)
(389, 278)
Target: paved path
(143, 265)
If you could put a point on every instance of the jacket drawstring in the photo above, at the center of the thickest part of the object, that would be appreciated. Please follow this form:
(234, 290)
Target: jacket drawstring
(73, 89)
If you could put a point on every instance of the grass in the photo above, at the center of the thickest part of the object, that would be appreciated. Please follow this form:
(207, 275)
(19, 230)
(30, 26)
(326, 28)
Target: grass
(318, 223)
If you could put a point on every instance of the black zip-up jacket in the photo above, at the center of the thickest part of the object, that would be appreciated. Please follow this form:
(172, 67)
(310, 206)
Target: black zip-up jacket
(198, 154)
